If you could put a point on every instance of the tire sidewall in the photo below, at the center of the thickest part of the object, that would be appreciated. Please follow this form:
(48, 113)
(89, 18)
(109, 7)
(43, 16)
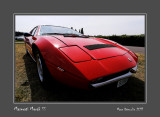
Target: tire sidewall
(44, 82)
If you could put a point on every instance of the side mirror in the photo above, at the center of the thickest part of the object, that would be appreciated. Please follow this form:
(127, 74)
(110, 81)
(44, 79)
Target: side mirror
(27, 34)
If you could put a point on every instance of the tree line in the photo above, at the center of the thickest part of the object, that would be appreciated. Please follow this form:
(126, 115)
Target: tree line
(129, 40)
(80, 30)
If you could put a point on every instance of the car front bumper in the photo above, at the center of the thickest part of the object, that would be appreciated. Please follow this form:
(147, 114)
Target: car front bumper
(115, 79)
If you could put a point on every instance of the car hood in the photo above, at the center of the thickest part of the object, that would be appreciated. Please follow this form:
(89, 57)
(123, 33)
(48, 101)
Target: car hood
(92, 61)
(96, 48)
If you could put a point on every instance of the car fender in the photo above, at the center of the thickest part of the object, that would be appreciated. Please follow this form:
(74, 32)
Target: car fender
(50, 46)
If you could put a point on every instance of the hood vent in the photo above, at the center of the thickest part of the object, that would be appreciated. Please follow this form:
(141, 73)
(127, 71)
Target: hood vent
(98, 46)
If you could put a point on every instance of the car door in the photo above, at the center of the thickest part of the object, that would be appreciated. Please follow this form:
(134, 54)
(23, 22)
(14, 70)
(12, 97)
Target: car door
(29, 40)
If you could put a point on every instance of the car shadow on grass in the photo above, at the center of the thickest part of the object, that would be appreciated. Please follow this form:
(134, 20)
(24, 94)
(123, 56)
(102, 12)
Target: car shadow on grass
(133, 91)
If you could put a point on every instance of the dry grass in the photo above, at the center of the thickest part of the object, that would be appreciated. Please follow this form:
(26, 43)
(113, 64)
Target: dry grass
(141, 67)
(21, 93)
(29, 89)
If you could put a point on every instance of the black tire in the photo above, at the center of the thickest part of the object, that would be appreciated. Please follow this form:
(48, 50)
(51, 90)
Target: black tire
(43, 73)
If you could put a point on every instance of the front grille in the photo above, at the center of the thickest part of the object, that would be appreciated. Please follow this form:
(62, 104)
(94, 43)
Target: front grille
(105, 78)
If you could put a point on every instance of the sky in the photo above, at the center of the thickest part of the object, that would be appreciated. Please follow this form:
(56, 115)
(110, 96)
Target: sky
(91, 24)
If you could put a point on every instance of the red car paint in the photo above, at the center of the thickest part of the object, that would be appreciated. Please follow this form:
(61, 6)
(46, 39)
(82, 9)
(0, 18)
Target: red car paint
(76, 54)
(81, 66)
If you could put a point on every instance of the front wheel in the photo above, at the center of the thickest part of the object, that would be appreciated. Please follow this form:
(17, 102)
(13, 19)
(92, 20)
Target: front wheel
(39, 67)
(42, 70)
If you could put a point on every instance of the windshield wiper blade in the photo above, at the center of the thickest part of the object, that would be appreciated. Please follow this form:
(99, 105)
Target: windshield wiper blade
(52, 34)
(70, 34)
(74, 35)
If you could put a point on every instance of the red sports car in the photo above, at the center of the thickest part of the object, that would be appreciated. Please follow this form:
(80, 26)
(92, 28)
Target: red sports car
(78, 60)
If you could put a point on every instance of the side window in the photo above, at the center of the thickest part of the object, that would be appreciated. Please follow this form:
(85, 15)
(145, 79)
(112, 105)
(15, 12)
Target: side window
(33, 32)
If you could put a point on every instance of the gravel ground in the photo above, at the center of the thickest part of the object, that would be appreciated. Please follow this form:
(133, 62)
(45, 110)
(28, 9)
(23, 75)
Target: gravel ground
(136, 49)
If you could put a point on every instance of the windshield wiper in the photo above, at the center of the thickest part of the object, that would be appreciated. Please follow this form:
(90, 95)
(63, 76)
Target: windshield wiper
(74, 35)
(52, 34)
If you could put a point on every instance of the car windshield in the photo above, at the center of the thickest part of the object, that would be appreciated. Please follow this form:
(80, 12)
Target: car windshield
(56, 30)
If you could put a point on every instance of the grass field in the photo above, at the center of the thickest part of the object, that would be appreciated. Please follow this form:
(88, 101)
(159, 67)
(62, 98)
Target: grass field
(29, 89)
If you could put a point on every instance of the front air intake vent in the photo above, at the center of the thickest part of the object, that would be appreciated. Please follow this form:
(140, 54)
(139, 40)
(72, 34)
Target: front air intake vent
(109, 77)
(98, 46)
